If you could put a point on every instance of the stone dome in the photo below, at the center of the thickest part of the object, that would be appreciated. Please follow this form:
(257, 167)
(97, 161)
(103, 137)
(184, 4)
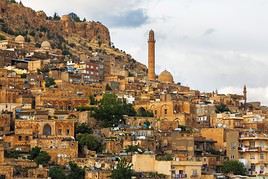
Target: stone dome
(46, 45)
(165, 77)
(19, 39)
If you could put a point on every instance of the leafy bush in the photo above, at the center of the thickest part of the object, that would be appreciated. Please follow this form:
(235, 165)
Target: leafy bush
(40, 157)
(234, 167)
(221, 108)
(165, 157)
(91, 141)
(123, 170)
(111, 110)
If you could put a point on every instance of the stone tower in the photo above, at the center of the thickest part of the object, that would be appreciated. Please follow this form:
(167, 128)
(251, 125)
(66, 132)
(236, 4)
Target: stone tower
(245, 94)
(151, 56)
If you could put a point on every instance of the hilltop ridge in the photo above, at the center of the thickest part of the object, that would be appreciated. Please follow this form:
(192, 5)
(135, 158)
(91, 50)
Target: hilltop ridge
(74, 36)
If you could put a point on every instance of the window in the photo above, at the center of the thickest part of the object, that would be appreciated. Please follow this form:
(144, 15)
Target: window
(252, 156)
(261, 156)
(194, 172)
(261, 169)
(20, 138)
(59, 131)
(91, 66)
(67, 131)
(252, 144)
(261, 144)
(47, 130)
(155, 112)
(91, 73)
(165, 111)
(27, 138)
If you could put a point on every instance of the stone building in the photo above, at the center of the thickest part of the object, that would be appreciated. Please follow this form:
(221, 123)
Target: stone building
(169, 107)
(172, 169)
(227, 140)
(253, 152)
(54, 136)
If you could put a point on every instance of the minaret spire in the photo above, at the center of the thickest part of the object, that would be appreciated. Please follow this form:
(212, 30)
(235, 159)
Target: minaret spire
(245, 94)
(151, 56)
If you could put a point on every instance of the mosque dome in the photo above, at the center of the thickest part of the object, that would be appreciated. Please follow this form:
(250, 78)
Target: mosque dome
(165, 77)
(46, 45)
(19, 39)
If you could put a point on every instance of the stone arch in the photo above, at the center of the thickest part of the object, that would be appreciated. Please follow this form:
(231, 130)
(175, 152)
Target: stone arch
(153, 109)
(164, 109)
(72, 116)
(47, 130)
(177, 108)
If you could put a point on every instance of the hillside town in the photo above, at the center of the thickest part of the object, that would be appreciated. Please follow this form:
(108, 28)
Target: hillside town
(96, 113)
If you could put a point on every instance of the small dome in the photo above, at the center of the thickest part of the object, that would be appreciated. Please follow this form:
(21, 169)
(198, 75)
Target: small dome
(165, 77)
(46, 45)
(19, 39)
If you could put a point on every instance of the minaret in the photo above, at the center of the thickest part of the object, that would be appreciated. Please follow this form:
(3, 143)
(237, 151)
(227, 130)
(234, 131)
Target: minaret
(151, 56)
(245, 94)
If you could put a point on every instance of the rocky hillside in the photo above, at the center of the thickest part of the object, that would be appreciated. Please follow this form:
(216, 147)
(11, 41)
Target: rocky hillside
(17, 19)
(67, 33)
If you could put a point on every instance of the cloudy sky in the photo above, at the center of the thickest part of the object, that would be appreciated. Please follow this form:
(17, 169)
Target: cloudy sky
(206, 44)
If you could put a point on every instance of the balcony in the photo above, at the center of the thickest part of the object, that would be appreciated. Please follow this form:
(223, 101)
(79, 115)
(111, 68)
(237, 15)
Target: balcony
(178, 176)
(250, 149)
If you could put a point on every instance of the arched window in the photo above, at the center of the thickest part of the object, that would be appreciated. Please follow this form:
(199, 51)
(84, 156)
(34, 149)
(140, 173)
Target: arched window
(47, 130)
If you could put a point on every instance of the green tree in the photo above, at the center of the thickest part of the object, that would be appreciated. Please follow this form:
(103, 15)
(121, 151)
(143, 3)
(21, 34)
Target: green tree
(76, 172)
(91, 141)
(34, 152)
(111, 111)
(122, 170)
(84, 108)
(66, 52)
(234, 167)
(221, 108)
(2, 37)
(56, 172)
(164, 157)
(56, 17)
(40, 157)
(49, 82)
(12, 154)
(83, 129)
(43, 158)
(12, 1)
(92, 100)
(144, 113)
(74, 17)
(108, 88)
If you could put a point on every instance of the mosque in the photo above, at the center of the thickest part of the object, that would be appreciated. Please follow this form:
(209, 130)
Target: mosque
(165, 76)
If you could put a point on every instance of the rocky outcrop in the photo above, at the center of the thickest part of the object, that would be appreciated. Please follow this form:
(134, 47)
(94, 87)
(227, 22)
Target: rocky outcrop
(18, 19)
(63, 33)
